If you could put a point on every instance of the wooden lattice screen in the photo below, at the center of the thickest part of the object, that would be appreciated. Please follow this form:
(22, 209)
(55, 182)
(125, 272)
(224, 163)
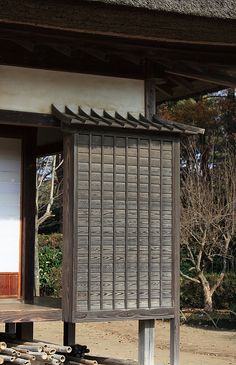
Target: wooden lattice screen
(123, 233)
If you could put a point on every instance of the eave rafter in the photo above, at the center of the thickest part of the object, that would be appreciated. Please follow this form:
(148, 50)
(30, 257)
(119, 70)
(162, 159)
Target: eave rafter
(179, 71)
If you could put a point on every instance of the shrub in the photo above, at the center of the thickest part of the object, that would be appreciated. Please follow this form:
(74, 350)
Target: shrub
(50, 264)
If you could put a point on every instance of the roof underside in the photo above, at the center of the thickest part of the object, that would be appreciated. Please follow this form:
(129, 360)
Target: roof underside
(186, 55)
(85, 116)
(204, 8)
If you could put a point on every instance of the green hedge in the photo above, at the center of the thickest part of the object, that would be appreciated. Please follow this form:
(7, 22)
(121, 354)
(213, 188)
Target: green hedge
(50, 264)
(224, 297)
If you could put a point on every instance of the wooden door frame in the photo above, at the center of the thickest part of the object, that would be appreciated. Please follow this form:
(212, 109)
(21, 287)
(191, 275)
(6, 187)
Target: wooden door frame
(27, 207)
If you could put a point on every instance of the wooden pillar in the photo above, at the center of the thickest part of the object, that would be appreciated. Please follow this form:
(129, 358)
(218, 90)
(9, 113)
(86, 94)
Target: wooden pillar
(174, 341)
(25, 330)
(28, 214)
(10, 328)
(147, 327)
(175, 322)
(69, 333)
(146, 342)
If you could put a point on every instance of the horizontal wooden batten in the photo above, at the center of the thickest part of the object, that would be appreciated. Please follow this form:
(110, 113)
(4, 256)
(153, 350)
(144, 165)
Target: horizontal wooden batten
(141, 314)
(27, 119)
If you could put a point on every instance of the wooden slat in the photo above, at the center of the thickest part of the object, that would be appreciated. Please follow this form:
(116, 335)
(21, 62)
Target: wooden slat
(124, 225)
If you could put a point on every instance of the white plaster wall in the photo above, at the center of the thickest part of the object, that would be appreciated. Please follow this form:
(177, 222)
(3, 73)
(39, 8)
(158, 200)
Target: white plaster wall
(34, 90)
(10, 197)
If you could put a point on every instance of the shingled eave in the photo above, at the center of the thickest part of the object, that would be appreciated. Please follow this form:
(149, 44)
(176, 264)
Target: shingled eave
(225, 9)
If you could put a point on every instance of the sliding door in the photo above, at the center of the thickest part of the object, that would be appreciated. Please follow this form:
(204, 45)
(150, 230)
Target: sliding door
(10, 216)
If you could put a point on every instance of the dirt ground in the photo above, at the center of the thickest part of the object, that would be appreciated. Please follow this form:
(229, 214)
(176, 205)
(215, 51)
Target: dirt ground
(119, 340)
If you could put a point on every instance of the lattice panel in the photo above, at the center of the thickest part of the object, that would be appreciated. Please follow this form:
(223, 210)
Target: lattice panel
(124, 222)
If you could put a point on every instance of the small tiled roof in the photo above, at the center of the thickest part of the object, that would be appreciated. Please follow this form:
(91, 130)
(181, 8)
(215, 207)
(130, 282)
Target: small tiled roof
(86, 116)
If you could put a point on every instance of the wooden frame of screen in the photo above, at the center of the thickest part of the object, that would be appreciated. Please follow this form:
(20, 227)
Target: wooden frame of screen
(69, 254)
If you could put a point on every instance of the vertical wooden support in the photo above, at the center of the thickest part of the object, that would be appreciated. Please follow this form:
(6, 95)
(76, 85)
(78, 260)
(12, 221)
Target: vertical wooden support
(175, 322)
(174, 340)
(147, 327)
(25, 330)
(146, 342)
(28, 214)
(68, 228)
(10, 328)
(69, 333)
(150, 98)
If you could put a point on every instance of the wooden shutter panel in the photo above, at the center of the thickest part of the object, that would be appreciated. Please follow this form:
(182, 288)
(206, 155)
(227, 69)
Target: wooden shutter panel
(123, 233)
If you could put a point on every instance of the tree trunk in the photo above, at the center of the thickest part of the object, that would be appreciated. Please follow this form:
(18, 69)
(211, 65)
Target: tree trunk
(208, 305)
(207, 292)
(36, 266)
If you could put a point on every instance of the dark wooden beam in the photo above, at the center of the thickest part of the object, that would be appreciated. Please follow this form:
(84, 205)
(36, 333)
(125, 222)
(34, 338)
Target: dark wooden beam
(10, 328)
(214, 77)
(164, 90)
(68, 280)
(28, 119)
(31, 36)
(181, 81)
(69, 333)
(25, 331)
(28, 214)
(48, 149)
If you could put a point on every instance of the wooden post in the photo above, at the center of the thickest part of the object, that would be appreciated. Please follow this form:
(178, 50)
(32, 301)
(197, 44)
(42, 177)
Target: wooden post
(174, 341)
(147, 327)
(69, 333)
(28, 214)
(25, 331)
(146, 342)
(10, 328)
(175, 322)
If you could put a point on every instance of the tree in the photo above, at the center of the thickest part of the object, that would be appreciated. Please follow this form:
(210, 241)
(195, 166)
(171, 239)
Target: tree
(207, 183)
(207, 218)
(48, 190)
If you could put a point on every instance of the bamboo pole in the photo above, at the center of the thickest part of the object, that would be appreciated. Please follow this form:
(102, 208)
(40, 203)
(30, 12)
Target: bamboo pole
(39, 355)
(62, 349)
(21, 361)
(49, 350)
(9, 351)
(60, 358)
(52, 362)
(3, 345)
(30, 357)
(8, 358)
(111, 361)
(30, 348)
(75, 361)
(88, 362)
(20, 350)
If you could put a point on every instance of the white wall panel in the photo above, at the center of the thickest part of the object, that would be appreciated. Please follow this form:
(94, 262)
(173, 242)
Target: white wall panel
(35, 90)
(10, 196)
